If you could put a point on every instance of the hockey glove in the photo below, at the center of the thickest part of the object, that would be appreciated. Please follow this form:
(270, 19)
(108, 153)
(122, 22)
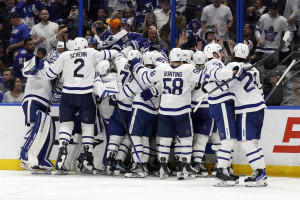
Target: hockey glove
(149, 93)
(241, 74)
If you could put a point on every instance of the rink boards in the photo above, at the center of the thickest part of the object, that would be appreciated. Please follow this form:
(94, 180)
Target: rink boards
(280, 141)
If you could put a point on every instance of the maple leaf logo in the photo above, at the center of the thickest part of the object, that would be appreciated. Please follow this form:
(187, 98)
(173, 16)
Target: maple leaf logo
(270, 34)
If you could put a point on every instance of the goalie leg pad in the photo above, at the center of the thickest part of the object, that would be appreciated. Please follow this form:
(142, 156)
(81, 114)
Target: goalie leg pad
(199, 145)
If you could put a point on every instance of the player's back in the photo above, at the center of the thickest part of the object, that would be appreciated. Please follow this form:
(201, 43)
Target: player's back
(79, 70)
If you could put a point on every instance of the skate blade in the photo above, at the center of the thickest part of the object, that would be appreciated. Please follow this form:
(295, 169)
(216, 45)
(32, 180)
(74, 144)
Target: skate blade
(41, 171)
(163, 176)
(185, 176)
(221, 183)
(61, 172)
(259, 183)
(135, 175)
(25, 166)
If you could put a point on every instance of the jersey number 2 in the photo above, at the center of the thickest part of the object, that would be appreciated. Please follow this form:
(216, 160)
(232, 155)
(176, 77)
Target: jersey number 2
(81, 61)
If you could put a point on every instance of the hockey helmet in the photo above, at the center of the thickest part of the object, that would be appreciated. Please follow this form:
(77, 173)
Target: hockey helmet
(102, 67)
(186, 56)
(148, 58)
(80, 43)
(241, 50)
(134, 54)
(199, 58)
(175, 55)
(212, 48)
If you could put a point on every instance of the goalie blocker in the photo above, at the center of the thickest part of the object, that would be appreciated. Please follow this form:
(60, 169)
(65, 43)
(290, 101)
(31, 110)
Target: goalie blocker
(39, 142)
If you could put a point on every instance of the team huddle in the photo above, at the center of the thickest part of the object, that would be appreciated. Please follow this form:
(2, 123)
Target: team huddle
(146, 102)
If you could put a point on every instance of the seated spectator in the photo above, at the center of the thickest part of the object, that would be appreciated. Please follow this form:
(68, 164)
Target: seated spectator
(27, 10)
(5, 25)
(194, 26)
(19, 33)
(7, 76)
(24, 55)
(43, 31)
(150, 20)
(15, 95)
(163, 14)
(3, 57)
(55, 9)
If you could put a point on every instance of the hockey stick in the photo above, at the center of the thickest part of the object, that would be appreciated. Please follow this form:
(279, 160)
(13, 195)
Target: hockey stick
(127, 131)
(282, 43)
(226, 46)
(281, 78)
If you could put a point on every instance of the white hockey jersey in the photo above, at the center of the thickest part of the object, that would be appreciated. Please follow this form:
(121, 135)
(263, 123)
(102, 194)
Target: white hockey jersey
(176, 85)
(78, 69)
(271, 30)
(216, 73)
(248, 92)
(38, 86)
(198, 92)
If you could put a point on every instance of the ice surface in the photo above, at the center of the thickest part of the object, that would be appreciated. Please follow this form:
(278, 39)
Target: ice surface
(23, 185)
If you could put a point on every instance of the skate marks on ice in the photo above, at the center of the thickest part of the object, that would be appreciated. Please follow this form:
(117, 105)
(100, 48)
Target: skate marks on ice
(23, 185)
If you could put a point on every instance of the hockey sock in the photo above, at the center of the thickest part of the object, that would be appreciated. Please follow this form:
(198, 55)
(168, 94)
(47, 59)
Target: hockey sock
(146, 149)
(152, 154)
(113, 144)
(177, 149)
(252, 154)
(123, 149)
(260, 152)
(137, 141)
(65, 132)
(186, 148)
(88, 135)
(224, 153)
(164, 147)
(199, 145)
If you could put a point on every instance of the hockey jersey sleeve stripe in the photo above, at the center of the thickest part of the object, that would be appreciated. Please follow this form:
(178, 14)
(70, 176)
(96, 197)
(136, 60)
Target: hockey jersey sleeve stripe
(88, 143)
(221, 96)
(159, 145)
(198, 151)
(174, 109)
(183, 146)
(123, 104)
(78, 88)
(143, 79)
(49, 75)
(145, 105)
(32, 95)
(249, 106)
(215, 74)
(104, 54)
(125, 92)
(52, 72)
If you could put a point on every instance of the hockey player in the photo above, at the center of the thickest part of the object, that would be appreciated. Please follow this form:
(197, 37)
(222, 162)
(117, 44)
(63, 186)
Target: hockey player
(221, 106)
(78, 68)
(144, 119)
(38, 92)
(249, 107)
(174, 111)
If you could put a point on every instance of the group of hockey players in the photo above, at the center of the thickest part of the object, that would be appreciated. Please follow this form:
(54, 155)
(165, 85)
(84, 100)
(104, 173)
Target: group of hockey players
(139, 103)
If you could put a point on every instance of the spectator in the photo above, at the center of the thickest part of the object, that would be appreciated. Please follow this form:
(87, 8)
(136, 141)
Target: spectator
(92, 43)
(27, 9)
(55, 8)
(142, 9)
(219, 14)
(277, 97)
(72, 23)
(150, 20)
(180, 7)
(63, 36)
(3, 57)
(155, 41)
(54, 54)
(1, 96)
(100, 29)
(269, 31)
(249, 39)
(194, 26)
(127, 13)
(5, 25)
(102, 14)
(15, 95)
(180, 25)
(291, 11)
(24, 55)
(19, 33)
(2, 68)
(253, 13)
(117, 5)
(43, 31)
(41, 53)
(163, 15)
(117, 34)
(7, 76)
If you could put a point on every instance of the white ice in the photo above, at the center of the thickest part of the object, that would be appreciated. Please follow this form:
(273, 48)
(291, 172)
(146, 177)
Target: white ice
(23, 185)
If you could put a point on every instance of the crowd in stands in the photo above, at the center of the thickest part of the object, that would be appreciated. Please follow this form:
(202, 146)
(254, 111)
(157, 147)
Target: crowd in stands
(28, 27)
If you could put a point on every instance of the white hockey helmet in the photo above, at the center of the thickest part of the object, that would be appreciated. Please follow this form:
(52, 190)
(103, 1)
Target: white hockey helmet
(80, 43)
(186, 56)
(134, 54)
(149, 58)
(212, 48)
(241, 50)
(102, 67)
(175, 55)
(199, 58)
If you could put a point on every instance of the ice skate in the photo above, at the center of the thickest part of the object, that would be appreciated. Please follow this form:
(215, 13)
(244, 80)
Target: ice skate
(24, 165)
(110, 162)
(223, 178)
(187, 171)
(236, 177)
(87, 165)
(62, 155)
(119, 167)
(257, 179)
(38, 170)
(201, 170)
(178, 168)
(136, 171)
(163, 168)
(214, 171)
